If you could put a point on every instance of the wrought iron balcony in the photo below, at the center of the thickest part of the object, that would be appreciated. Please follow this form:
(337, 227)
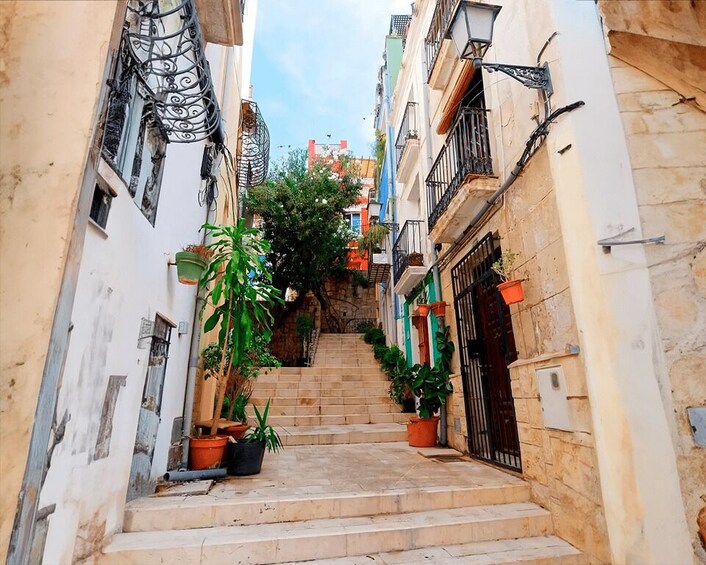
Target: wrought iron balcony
(407, 250)
(408, 129)
(254, 143)
(440, 22)
(379, 262)
(465, 154)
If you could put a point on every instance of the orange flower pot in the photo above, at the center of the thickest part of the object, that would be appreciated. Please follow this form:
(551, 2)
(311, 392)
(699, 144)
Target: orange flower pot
(236, 431)
(206, 452)
(424, 309)
(421, 432)
(512, 291)
(439, 309)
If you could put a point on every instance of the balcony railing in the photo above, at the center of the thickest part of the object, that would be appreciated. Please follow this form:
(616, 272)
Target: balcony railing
(407, 250)
(408, 129)
(437, 31)
(466, 152)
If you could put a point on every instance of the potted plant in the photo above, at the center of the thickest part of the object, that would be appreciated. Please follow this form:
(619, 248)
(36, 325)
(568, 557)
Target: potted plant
(439, 308)
(240, 295)
(432, 386)
(415, 259)
(191, 263)
(237, 413)
(245, 455)
(373, 238)
(510, 289)
(304, 325)
(423, 307)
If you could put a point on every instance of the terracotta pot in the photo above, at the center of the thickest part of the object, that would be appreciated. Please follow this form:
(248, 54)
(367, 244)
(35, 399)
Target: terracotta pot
(421, 432)
(415, 260)
(236, 431)
(424, 309)
(206, 452)
(439, 309)
(512, 291)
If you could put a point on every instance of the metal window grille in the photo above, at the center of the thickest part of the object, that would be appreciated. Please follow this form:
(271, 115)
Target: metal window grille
(100, 206)
(408, 129)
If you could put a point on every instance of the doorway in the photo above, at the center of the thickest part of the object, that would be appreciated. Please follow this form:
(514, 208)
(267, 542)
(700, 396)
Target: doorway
(486, 348)
(141, 483)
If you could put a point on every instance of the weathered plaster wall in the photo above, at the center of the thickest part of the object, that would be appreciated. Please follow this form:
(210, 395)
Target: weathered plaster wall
(45, 127)
(667, 144)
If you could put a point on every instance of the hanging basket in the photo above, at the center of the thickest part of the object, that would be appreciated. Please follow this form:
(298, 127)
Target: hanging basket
(439, 309)
(189, 267)
(512, 291)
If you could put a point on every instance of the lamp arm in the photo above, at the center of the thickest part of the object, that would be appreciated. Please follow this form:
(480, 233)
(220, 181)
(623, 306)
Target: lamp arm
(531, 77)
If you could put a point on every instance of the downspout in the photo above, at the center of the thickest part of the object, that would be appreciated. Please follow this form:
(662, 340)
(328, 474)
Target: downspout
(443, 433)
(200, 298)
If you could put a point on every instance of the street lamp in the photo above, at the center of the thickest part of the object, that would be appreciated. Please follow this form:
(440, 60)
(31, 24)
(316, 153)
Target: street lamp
(471, 31)
(374, 209)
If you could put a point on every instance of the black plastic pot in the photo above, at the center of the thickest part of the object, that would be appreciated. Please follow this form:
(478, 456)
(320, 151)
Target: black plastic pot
(245, 457)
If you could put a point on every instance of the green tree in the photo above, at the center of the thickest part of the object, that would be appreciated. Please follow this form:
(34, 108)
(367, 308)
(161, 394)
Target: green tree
(302, 217)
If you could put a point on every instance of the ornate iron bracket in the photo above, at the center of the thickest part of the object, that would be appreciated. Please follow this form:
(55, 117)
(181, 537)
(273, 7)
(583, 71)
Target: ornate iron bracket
(531, 77)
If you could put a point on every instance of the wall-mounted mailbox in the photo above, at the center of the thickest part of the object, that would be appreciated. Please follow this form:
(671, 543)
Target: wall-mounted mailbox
(552, 392)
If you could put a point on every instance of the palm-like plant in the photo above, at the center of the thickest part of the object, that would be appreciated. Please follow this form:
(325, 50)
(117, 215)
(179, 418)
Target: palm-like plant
(264, 432)
(240, 294)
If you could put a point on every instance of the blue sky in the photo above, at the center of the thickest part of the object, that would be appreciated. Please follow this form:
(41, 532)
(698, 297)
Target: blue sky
(315, 68)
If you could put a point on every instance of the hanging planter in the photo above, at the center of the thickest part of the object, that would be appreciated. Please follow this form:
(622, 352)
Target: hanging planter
(415, 260)
(511, 291)
(424, 309)
(439, 308)
(191, 263)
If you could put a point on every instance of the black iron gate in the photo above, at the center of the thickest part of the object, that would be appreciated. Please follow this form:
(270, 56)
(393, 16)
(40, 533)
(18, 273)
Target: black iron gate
(486, 347)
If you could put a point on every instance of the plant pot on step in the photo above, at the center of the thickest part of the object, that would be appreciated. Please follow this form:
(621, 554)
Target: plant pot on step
(189, 267)
(206, 452)
(236, 431)
(439, 309)
(511, 291)
(245, 457)
(421, 432)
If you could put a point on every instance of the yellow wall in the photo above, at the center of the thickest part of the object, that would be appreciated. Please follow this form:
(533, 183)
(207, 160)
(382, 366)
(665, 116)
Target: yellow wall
(52, 57)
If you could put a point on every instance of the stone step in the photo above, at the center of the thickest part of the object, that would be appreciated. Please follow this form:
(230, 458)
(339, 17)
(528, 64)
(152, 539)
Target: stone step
(342, 388)
(322, 374)
(342, 434)
(319, 539)
(326, 409)
(539, 550)
(311, 399)
(204, 511)
(339, 420)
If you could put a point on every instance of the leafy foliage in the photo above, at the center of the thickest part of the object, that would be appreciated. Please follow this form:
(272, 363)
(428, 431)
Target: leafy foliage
(304, 325)
(302, 217)
(432, 384)
(240, 295)
(264, 431)
(374, 336)
(505, 265)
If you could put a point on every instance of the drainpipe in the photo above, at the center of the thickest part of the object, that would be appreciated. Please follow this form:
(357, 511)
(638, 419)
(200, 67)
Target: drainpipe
(200, 299)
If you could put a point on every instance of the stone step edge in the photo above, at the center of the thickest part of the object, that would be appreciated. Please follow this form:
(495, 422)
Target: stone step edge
(456, 525)
(266, 510)
(542, 550)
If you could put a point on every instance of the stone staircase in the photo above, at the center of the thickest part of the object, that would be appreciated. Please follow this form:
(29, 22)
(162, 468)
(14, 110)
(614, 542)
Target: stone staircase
(347, 490)
(342, 398)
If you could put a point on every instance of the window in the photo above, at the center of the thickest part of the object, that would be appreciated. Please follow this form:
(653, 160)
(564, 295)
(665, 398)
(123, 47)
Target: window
(133, 142)
(353, 221)
(100, 207)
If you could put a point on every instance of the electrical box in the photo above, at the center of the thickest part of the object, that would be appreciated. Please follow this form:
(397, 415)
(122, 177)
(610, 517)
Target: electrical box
(552, 392)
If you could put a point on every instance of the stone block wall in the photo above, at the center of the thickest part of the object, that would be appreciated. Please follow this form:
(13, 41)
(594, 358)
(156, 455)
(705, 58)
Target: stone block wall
(666, 138)
(560, 466)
